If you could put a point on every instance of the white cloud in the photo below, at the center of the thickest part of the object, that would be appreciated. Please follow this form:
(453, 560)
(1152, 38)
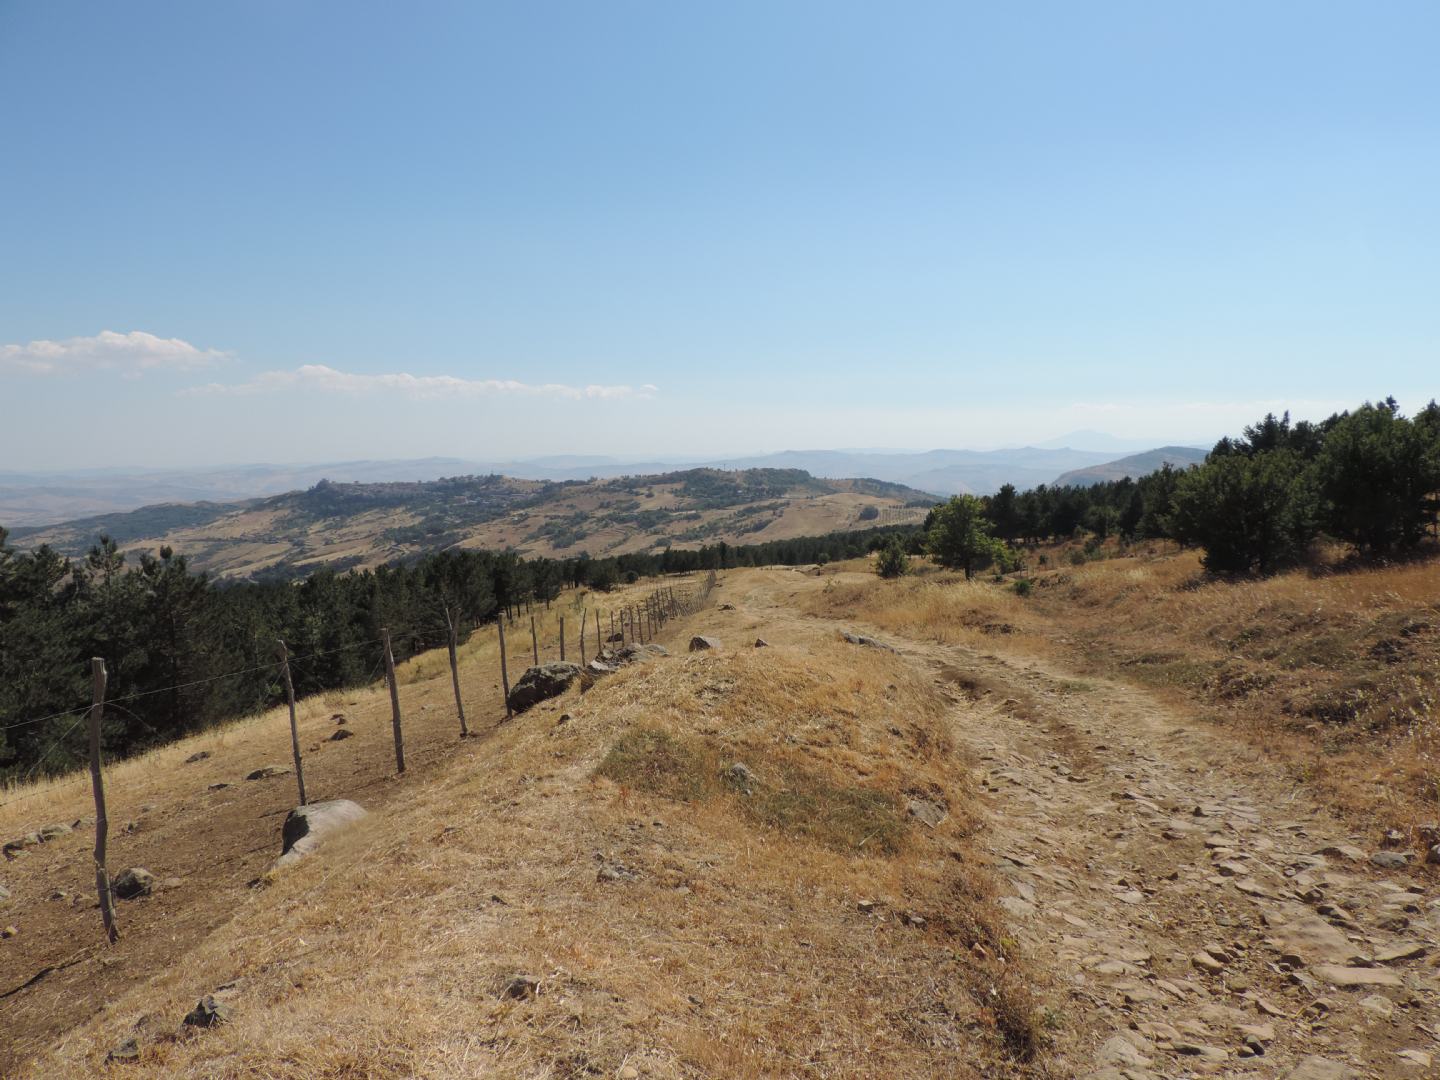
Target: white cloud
(131, 354)
(330, 380)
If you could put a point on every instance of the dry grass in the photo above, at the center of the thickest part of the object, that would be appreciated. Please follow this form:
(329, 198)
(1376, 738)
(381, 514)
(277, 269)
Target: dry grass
(1343, 661)
(725, 937)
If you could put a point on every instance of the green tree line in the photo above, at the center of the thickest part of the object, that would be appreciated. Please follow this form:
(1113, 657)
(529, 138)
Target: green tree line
(184, 652)
(1369, 477)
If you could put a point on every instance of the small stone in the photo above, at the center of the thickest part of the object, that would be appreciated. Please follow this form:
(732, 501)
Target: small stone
(219, 785)
(341, 733)
(8, 932)
(1339, 975)
(1118, 1050)
(50, 832)
(265, 772)
(761, 643)
(1205, 962)
(521, 987)
(123, 1053)
(740, 775)
(926, 812)
(58, 894)
(1410, 950)
(865, 907)
(133, 883)
(701, 643)
(1418, 1057)
(1432, 857)
(199, 755)
(208, 1013)
(1379, 1006)
(1390, 860)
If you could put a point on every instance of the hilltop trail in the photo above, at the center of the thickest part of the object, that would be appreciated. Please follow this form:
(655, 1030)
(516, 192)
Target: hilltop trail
(1197, 912)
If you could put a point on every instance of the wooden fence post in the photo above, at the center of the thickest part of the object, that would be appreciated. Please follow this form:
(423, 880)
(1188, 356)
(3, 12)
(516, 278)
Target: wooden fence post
(504, 669)
(562, 638)
(534, 641)
(582, 637)
(102, 822)
(455, 669)
(294, 729)
(394, 702)
(612, 622)
(599, 645)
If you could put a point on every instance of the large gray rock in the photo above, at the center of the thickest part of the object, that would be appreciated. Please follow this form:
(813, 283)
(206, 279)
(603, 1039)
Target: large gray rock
(700, 643)
(541, 683)
(208, 1013)
(306, 826)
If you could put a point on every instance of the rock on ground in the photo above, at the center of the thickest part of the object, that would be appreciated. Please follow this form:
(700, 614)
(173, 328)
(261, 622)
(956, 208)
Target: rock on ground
(700, 643)
(265, 772)
(306, 826)
(541, 683)
(867, 641)
(133, 883)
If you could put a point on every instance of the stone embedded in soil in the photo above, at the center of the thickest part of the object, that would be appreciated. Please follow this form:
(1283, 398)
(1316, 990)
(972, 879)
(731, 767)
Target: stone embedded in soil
(199, 755)
(265, 772)
(123, 1052)
(208, 1013)
(1390, 860)
(307, 826)
(701, 643)
(342, 733)
(521, 987)
(542, 682)
(926, 812)
(761, 643)
(1379, 1006)
(867, 641)
(1408, 950)
(1339, 975)
(133, 883)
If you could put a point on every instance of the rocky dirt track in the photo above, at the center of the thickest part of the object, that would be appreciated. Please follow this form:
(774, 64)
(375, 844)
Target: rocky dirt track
(1197, 914)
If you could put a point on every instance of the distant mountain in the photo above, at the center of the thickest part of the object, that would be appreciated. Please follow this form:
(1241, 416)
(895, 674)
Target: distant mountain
(1133, 466)
(1097, 440)
(45, 498)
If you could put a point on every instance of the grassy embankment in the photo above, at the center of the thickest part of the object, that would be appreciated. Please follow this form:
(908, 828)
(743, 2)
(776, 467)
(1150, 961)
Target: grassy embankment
(676, 924)
(1335, 670)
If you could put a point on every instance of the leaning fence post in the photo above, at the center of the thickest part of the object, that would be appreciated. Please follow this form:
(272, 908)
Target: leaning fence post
(582, 636)
(534, 641)
(294, 730)
(455, 669)
(562, 639)
(504, 669)
(394, 702)
(102, 822)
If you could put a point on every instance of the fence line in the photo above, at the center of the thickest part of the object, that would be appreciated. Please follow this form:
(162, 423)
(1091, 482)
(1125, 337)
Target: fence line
(647, 618)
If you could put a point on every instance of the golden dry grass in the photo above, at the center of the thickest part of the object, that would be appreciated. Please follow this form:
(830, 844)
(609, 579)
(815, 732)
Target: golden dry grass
(738, 947)
(1336, 671)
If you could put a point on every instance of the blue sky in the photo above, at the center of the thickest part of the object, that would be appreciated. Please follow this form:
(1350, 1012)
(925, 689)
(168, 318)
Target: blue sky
(278, 231)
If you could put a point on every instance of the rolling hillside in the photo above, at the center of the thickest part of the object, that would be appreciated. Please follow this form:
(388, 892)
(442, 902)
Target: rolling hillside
(361, 525)
(1133, 466)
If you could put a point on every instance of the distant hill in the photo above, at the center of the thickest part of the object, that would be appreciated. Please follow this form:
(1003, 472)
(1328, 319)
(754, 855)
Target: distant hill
(1132, 466)
(30, 499)
(348, 525)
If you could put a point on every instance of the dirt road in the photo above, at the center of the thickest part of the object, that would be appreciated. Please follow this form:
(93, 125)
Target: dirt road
(1198, 914)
